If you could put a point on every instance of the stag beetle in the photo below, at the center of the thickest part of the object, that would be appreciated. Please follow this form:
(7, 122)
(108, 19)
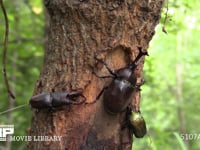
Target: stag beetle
(118, 94)
(55, 99)
(136, 123)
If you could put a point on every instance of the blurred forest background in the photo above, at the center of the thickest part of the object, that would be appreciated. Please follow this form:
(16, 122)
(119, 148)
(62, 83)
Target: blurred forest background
(169, 99)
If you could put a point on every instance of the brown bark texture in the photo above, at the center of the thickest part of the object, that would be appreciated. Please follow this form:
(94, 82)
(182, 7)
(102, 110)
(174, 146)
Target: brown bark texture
(78, 30)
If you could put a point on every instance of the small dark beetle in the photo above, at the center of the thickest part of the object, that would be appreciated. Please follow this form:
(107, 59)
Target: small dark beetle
(55, 99)
(118, 94)
(136, 124)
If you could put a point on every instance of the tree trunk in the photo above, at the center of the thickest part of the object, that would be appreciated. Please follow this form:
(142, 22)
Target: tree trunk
(78, 30)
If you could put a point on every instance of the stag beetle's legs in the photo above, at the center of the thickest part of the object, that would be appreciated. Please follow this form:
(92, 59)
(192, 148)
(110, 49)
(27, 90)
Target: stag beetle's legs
(98, 96)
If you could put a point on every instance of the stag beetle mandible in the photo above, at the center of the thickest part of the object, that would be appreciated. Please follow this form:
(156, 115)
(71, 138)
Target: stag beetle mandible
(55, 99)
(118, 94)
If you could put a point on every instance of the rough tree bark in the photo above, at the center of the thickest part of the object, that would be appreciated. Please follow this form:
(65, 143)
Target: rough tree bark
(79, 29)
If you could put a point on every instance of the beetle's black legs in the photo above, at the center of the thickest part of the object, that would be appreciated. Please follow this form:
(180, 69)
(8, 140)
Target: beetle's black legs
(101, 76)
(138, 85)
(114, 75)
(98, 96)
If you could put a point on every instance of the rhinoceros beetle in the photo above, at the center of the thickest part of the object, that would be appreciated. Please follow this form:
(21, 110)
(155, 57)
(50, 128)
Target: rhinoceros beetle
(55, 99)
(136, 123)
(118, 94)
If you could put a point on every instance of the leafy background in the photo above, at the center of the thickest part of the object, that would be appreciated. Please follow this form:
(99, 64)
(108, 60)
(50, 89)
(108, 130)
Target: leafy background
(169, 99)
(24, 61)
